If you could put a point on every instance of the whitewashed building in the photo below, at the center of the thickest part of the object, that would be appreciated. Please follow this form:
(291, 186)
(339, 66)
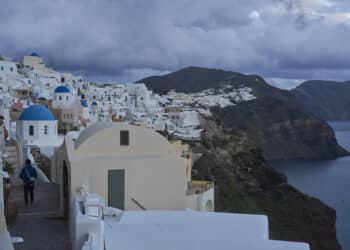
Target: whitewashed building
(8, 68)
(63, 98)
(37, 127)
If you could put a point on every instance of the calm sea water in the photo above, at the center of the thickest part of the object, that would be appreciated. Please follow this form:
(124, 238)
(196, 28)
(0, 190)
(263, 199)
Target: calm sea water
(327, 180)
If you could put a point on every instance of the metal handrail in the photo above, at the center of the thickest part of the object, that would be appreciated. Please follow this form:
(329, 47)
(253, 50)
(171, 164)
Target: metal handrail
(138, 204)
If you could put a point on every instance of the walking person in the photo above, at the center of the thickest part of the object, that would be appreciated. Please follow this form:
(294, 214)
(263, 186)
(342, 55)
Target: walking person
(28, 176)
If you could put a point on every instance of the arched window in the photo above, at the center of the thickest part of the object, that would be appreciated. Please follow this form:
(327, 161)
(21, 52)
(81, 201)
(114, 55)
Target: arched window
(31, 130)
(67, 97)
(60, 98)
(46, 129)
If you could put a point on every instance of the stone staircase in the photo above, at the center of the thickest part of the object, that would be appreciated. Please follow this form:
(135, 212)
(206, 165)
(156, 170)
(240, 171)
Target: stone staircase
(42, 161)
(11, 155)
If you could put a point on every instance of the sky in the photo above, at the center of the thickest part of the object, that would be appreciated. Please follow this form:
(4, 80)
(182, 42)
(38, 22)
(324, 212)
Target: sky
(286, 41)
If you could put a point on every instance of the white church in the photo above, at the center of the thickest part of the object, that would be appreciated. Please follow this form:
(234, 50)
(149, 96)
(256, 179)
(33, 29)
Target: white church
(37, 126)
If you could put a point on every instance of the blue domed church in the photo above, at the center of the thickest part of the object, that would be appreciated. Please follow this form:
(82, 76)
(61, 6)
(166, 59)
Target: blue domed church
(37, 126)
(66, 108)
(63, 97)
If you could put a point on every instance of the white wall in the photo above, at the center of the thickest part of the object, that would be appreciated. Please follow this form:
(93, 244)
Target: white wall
(198, 202)
(63, 100)
(39, 137)
(8, 68)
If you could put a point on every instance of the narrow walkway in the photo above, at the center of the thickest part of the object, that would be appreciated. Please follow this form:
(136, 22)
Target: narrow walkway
(39, 224)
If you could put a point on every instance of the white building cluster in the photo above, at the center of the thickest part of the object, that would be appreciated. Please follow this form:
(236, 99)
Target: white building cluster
(77, 104)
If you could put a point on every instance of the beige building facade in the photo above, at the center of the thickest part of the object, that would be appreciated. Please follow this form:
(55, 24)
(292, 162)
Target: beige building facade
(68, 118)
(131, 167)
(33, 61)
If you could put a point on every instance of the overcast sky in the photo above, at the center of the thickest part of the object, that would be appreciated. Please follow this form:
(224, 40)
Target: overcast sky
(124, 40)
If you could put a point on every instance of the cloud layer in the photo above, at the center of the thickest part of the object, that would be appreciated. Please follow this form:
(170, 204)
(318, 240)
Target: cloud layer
(127, 39)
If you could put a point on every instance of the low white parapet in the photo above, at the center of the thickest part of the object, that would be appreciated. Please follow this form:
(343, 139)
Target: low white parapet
(200, 196)
(86, 223)
(96, 227)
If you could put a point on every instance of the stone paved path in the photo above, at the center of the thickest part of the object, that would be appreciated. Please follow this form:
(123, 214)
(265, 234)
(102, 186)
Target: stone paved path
(39, 223)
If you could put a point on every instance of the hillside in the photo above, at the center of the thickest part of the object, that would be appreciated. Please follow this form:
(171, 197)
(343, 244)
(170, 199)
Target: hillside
(191, 79)
(195, 79)
(325, 99)
(245, 183)
(275, 120)
(282, 130)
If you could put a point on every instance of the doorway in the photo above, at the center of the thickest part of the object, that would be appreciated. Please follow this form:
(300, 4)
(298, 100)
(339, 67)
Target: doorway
(116, 188)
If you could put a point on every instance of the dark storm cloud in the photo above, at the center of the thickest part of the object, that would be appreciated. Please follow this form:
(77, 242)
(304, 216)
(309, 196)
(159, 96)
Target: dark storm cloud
(127, 39)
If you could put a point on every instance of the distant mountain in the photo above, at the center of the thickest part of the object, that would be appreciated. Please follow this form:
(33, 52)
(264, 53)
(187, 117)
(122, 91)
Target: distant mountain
(325, 99)
(275, 121)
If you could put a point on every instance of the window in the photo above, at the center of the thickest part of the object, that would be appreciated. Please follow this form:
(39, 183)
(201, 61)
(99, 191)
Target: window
(2, 68)
(31, 130)
(11, 69)
(46, 129)
(60, 98)
(67, 98)
(124, 138)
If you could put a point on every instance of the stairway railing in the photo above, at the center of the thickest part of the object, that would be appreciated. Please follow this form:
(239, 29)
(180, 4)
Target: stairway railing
(138, 204)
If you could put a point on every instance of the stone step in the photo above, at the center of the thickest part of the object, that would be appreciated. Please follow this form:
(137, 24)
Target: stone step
(11, 151)
(11, 160)
(11, 148)
(9, 154)
(10, 144)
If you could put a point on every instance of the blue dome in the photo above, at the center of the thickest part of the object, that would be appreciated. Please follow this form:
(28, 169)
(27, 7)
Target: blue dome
(62, 89)
(94, 103)
(34, 54)
(84, 103)
(36, 113)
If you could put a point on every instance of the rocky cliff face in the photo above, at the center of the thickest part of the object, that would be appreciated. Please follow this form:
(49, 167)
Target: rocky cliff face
(282, 130)
(325, 99)
(244, 183)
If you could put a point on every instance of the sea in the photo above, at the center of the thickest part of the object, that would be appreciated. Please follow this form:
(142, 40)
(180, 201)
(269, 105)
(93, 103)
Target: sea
(327, 180)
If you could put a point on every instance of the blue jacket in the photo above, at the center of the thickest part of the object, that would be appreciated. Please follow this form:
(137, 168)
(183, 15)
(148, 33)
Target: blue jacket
(28, 170)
